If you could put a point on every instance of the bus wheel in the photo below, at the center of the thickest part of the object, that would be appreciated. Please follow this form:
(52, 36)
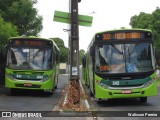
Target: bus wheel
(99, 101)
(55, 87)
(48, 93)
(143, 99)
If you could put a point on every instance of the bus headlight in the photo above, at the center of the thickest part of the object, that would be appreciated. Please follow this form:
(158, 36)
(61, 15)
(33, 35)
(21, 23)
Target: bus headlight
(45, 79)
(149, 83)
(103, 85)
(10, 76)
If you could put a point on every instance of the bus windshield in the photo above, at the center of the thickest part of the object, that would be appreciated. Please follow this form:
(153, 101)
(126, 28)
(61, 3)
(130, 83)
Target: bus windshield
(124, 58)
(23, 58)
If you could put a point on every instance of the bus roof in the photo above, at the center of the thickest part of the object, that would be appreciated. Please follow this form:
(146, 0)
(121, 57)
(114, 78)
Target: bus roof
(114, 30)
(123, 29)
(31, 37)
(35, 38)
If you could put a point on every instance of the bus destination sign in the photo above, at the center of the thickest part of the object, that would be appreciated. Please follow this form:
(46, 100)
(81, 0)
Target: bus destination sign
(108, 36)
(123, 35)
(30, 42)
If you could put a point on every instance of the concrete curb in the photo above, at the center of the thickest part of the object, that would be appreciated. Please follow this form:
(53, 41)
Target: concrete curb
(85, 101)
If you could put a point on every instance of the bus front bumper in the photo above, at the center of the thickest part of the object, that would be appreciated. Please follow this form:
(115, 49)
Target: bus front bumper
(25, 84)
(125, 93)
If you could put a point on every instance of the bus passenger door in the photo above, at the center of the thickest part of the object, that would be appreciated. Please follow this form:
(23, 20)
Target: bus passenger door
(91, 71)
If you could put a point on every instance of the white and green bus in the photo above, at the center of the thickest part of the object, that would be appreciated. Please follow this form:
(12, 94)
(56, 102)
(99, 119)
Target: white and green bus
(121, 64)
(31, 63)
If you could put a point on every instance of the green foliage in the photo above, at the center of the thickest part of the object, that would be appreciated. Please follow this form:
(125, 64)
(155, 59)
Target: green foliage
(64, 54)
(6, 30)
(22, 14)
(149, 21)
(63, 50)
(156, 28)
(58, 41)
(143, 20)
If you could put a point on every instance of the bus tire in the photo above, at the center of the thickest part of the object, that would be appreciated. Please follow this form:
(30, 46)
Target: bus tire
(99, 101)
(143, 99)
(55, 87)
(55, 82)
(49, 92)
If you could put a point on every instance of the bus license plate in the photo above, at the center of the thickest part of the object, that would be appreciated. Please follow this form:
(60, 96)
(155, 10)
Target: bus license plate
(28, 84)
(126, 91)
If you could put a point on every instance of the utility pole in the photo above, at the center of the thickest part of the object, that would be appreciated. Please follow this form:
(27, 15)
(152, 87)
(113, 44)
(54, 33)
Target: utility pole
(74, 41)
(74, 46)
(74, 20)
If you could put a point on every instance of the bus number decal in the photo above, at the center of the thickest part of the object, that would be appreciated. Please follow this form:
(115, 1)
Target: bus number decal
(18, 76)
(39, 77)
(106, 36)
(115, 83)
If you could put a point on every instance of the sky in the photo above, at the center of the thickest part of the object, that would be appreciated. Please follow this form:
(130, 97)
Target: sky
(108, 14)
